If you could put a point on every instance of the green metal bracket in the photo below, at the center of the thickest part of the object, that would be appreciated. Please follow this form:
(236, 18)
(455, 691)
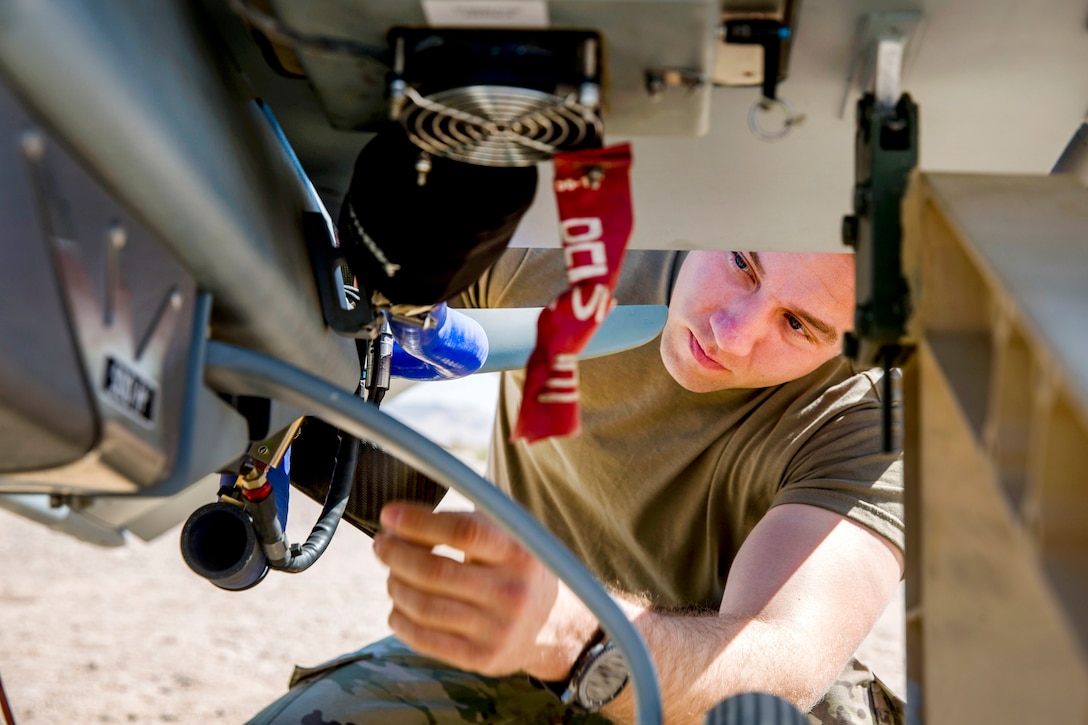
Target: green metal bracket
(886, 153)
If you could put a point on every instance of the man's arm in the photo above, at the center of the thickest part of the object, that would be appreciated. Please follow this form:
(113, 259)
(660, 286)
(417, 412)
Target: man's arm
(805, 589)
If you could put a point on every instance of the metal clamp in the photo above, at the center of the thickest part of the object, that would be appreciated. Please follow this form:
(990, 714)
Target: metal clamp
(770, 104)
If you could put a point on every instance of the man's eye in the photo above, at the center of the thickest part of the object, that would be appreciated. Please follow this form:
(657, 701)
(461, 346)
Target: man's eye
(796, 324)
(738, 259)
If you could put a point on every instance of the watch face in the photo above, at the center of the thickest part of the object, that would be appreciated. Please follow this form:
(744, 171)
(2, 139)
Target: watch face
(604, 678)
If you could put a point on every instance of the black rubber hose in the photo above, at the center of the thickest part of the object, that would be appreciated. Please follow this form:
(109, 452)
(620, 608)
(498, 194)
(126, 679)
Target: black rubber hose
(336, 501)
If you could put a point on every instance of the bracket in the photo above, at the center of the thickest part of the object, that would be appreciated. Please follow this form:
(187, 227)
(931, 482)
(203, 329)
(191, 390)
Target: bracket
(886, 151)
(327, 259)
(883, 47)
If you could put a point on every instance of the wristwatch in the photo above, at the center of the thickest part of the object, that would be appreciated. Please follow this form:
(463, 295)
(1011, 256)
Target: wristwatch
(598, 676)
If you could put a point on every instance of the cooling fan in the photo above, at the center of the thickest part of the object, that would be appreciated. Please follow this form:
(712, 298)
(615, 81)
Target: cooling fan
(497, 125)
(496, 98)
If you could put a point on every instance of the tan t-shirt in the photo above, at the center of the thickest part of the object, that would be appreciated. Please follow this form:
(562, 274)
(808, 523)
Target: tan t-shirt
(661, 487)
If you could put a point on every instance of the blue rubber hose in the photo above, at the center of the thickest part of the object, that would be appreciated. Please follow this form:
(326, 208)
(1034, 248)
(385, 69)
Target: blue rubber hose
(280, 478)
(454, 348)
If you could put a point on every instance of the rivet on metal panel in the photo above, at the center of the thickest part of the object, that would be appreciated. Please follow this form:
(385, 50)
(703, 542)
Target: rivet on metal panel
(33, 144)
(118, 237)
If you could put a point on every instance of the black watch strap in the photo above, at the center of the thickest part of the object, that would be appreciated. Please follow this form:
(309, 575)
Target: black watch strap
(560, 687)
(567, 691)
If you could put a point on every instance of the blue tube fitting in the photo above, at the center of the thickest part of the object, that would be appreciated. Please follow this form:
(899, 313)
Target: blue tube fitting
(454, 348)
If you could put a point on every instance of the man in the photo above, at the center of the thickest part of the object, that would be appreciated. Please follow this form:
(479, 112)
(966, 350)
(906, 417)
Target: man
(728, 486)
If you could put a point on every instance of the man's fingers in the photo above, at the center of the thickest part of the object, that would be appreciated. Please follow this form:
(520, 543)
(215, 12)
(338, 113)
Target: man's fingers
(442, 613)
(481, 614)
(429, 572)
(470, 532)
(453, 649)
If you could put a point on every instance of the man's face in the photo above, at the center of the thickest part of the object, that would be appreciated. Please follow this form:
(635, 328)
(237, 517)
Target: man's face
(756, 319)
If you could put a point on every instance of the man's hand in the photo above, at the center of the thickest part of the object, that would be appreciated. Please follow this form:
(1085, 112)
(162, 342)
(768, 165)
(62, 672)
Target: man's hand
(498, 612)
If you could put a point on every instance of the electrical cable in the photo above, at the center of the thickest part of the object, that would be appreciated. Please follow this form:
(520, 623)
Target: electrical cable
(336, 501)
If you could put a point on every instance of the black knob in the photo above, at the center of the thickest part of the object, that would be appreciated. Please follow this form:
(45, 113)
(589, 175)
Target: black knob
(850, 231)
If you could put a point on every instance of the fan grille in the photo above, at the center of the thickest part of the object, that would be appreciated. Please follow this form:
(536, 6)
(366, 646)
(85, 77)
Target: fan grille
(497, 125)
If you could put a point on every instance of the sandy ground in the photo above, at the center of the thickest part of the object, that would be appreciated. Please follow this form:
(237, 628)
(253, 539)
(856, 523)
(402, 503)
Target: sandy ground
(130, 635)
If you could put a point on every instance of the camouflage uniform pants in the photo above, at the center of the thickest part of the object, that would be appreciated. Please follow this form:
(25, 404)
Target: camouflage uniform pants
(389, 683)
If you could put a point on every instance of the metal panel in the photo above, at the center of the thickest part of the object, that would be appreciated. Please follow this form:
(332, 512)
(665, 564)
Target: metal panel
(129, 310)
(46, 418)
(1002, 86)
(137, 93)
(637, 35)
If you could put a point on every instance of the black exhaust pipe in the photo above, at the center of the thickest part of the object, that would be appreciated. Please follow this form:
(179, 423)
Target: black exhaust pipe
(218, 542)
